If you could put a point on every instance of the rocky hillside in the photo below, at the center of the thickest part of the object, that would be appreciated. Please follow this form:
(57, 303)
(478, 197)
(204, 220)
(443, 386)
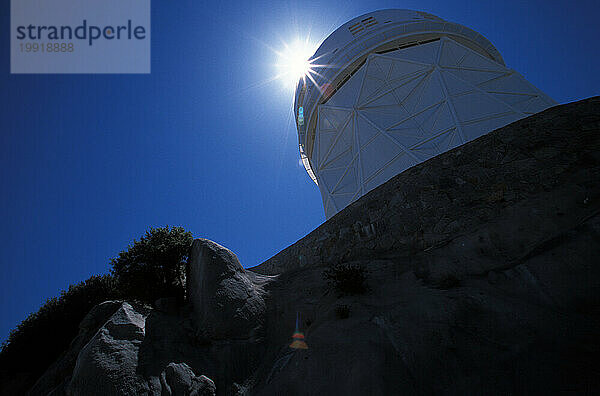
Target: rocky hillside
(482, 277)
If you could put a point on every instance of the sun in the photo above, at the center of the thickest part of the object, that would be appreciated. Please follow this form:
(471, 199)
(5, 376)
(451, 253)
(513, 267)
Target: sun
(294, 62)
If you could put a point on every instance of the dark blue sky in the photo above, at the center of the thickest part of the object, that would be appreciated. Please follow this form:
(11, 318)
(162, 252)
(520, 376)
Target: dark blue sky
(88, 162)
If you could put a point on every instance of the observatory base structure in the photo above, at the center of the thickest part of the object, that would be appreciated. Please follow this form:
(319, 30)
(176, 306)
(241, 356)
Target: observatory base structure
(397, 107)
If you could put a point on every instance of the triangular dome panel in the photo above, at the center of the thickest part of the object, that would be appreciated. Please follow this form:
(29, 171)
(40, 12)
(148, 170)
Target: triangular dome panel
(399, 164)
(534, 105)
(365, 131)
(328, 178)
(441, 143)
(331, 118)
(394, 94)
(377, 154)
(406, 136)
(401, 70)
(478, 106)
(451, 55)
(348, 184)
(427, 117)
(341, 161)
(476, 77)
(346, 96)
(454, 85)
(443, 119)
(344, 141)
(513, 99)
(322, 145)
(432, 93)
(415, 100)
(371, 86)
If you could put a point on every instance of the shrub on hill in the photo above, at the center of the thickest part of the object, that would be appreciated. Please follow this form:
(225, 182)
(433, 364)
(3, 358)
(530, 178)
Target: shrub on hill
(347, 279)
(39, 339)
(154, 266)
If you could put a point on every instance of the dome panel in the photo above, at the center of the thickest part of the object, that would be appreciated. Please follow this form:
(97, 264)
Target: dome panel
(407, 137)
(343, 142)
(476, 77)
(478, 106)
(348, 184)
(341, 161)
(331, 119)
(377, 154)
(455, 86)
(384, 117)
(514, 99)
(366, 132)
(432, 93)
(323, 145)
(428, 119)
(451, 55)
(394, 94)
(328, 178)
(415, 101)
(346, 96)
(443, 119)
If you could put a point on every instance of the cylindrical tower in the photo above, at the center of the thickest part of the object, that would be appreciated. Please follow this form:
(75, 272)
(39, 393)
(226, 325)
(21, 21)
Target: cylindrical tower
(393, 88)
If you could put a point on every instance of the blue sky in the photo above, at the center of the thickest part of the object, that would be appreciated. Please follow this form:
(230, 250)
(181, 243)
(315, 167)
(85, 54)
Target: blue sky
(88, 162)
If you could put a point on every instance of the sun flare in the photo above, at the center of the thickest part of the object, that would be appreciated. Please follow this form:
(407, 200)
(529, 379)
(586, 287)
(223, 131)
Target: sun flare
(294, 62)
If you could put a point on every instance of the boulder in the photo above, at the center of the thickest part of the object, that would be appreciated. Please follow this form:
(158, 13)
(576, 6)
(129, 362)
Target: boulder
(63, 366)
(227, 301)
(107, 364)
(178, 379)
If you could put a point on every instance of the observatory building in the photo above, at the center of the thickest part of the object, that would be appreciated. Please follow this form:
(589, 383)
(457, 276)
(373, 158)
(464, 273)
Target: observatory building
(393, 88)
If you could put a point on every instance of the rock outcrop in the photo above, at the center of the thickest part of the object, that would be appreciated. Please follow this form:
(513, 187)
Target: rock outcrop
(528, 328)
(107, 365)
(63, 367)
(115, 360)
(227, 301)
(482, 274)
(132, 349)
(179, 379)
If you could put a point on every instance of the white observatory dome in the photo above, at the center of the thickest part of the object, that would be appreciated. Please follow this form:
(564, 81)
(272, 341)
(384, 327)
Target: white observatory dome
(394, 88)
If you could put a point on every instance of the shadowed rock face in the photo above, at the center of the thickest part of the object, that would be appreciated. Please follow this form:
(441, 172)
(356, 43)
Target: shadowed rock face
(117, 359)
(482, 274)
(482, 265)
(528, 328)
(179, 379)
(107, 364)
(63, 367)
(227, 301)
